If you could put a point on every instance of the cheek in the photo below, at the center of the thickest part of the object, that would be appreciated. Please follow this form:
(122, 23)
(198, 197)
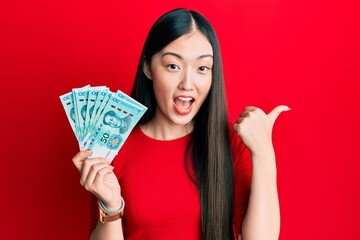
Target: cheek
(164, 85)
(162, 90)
(204, 86)
(157, 84)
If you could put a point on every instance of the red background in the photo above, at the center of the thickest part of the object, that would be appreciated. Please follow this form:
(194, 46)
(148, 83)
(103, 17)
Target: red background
(301, 53)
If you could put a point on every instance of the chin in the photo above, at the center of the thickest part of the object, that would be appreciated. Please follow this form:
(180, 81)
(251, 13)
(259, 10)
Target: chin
(184, 120)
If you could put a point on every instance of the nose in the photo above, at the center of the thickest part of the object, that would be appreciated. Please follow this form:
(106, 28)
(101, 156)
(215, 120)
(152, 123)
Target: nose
(186, 83)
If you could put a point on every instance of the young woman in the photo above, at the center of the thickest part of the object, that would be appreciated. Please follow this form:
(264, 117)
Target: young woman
(184, 173)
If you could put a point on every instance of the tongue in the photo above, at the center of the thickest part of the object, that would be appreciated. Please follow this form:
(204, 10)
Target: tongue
(182, 104)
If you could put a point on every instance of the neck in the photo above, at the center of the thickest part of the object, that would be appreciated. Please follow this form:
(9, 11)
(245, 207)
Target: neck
(157, 130)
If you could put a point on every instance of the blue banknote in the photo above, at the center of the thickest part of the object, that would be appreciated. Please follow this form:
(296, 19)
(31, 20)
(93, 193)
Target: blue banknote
(80, 96)
(92, 97)
(67, 102)
(101, 120)
(114, 125)
(69, 105)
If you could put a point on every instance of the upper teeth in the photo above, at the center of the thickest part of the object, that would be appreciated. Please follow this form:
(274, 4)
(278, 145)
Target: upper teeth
(185, 98)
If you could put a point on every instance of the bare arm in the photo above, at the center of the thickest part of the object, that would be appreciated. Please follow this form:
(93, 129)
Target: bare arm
(108, 231)
(97, 177)
(262, 220)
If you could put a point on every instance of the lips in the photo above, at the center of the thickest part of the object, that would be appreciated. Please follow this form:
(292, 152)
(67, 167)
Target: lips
(183, 104)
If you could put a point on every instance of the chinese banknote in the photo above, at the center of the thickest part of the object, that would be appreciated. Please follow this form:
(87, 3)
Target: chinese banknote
(101, 120)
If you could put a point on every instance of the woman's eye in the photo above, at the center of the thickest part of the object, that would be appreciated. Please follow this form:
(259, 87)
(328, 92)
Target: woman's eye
(173, 66)
(204, 69)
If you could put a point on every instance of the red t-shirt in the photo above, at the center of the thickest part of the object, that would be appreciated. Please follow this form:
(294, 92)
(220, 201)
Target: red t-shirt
(162, 202)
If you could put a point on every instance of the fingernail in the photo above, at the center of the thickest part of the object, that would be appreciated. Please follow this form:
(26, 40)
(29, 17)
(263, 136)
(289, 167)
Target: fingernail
(287, 108)
(88, 151)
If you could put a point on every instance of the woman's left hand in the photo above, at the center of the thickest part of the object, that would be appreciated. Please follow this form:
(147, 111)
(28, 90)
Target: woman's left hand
(254, 127)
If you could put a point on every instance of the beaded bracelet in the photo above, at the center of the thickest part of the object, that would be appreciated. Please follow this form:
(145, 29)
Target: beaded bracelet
(109, 212)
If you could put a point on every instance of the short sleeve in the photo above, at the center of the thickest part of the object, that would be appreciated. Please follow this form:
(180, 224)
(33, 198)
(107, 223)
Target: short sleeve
(242, 180)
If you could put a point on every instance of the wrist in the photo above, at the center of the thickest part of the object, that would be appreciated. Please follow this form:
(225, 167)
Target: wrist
(264, 161)
(263, 155)
(112, 211)
(106, 215)
(114, 204)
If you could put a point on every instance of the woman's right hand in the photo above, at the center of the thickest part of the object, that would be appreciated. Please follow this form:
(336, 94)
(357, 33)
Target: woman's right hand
(97, 177)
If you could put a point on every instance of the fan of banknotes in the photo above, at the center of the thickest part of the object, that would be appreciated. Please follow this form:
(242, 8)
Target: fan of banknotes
(101, 120)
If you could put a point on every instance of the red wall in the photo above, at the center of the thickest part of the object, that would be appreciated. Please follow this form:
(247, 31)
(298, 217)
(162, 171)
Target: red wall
(301, 53)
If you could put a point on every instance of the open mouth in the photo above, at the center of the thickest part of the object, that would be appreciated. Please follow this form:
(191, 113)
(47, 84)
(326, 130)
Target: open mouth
(183, 105)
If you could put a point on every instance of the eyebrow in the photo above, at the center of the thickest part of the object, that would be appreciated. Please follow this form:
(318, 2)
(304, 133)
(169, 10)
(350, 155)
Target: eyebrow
(180, 57)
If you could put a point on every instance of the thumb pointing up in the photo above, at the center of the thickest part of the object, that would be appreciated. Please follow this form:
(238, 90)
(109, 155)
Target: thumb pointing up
(254, 126)
(273, 115)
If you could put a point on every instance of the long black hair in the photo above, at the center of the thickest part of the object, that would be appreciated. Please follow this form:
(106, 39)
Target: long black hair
(209, 147)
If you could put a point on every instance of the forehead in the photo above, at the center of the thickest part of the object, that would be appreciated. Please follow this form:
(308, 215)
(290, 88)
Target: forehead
(191, 45)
